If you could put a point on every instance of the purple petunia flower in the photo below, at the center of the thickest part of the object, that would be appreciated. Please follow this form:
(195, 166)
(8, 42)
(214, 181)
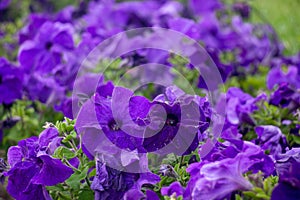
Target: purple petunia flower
(240, 105)
(43, 52)
(111, 183)
(287, 167)
(32, 161)
(289, 184)
(35, 21)
(285, 160)
(270, 138)
(175, 189)
(112, 126)
(286, 96)
(107, 18)
(11, 79)
(277, 76)
(203, 7)
(185, 118)
(221, 171)
(4, 4)
(218, 179)
(136, 194)
(42, 60)
(172, 123)
(185, 26)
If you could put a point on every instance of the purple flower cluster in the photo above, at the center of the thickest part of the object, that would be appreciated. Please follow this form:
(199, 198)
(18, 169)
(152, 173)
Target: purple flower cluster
(33, 167)
(111, 183)
(240, 105)
(221, 173)
(11, 82)
(287, 92)
(119, 135)
(287, 165)
(52, 46)
(149, 126)
(42, 58)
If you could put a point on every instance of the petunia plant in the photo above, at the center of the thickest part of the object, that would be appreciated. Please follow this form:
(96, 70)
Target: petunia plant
(149, 99)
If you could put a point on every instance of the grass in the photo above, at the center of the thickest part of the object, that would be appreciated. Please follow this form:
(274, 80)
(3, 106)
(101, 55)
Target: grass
(284, 16)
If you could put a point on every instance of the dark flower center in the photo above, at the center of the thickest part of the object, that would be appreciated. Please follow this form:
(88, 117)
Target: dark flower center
(48, 45)
(113, 125)
(172, 120)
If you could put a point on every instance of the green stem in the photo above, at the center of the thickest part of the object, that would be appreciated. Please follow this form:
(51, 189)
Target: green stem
(181, 161)
(70, 165)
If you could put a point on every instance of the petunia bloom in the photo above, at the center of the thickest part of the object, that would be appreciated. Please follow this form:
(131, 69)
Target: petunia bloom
(289, 184)
(11, 82)
(221, 171)
(32, 161)
(111, 183)
(42, 59)
(175, 189)
(270, 138)
(240, 105)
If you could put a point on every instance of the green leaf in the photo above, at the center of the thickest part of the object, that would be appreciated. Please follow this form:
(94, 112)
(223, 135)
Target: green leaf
(296, 139)
(57, 187)
(67, 139)
(70, 128)
(63, 152)
(238, 197)
(250, 194)
(263, 196)
(86, 194)
(92, 173)
(74, 180)
(73, 134)
(64, 196)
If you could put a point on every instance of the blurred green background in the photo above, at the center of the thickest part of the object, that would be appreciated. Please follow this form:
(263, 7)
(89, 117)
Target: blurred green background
(284, 16)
